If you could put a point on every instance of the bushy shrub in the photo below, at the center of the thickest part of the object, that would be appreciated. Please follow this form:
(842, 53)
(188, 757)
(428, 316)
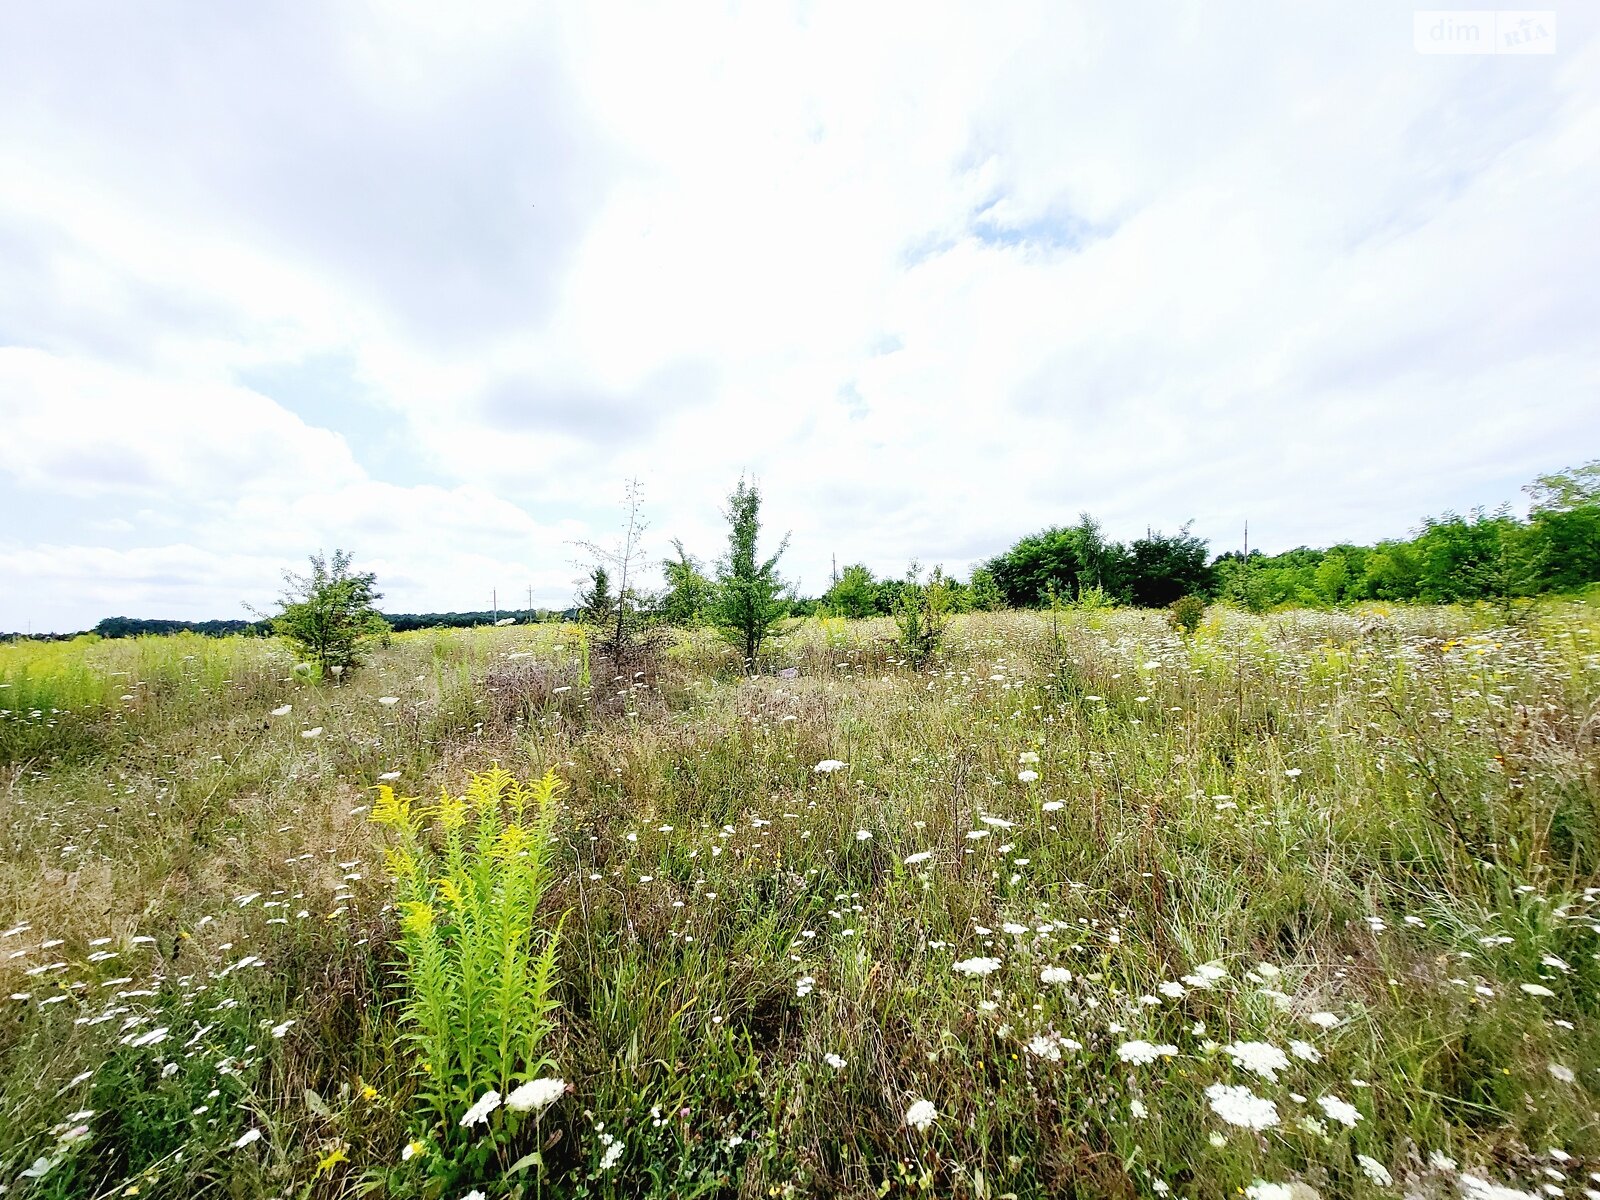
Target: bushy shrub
(1186, 613)
(328, 616)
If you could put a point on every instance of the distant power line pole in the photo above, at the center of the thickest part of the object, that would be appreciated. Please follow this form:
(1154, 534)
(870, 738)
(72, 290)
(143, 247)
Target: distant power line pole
(494, 601)
(530, 604)
(1247, 539)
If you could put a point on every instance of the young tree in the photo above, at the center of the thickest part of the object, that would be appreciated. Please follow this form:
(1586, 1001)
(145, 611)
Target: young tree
(688, 590)
(595, 603)
(749, 599)
(923, 614)
(328, 615)
(620, 618)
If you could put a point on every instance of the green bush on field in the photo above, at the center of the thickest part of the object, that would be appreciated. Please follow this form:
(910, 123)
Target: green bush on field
(922, 614)
(329, 615)
(1186, 612)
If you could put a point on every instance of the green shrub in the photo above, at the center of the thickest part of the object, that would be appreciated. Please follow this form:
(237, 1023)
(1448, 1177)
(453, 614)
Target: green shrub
(328, 615)
(922, 613)
(1186, 613)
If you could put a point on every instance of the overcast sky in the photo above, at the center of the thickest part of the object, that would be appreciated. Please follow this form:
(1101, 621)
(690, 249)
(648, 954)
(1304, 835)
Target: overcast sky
(430, 281)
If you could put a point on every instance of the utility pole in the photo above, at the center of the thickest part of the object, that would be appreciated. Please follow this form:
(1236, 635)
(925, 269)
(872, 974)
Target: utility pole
(494, 599)
(1247, 539)
(530, 604)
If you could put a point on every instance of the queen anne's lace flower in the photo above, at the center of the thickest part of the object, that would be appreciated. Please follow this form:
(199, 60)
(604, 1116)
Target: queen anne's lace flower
(1339, 1110)
(1140, 1053)
(1242, 1107)
(1375, 1170)
(1263, 1058)
(536, 1095)
(480, 1110)
(1045, 1046)
(976, 966)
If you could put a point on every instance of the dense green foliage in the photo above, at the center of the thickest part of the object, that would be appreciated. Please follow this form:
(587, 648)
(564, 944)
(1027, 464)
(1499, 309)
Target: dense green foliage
(401, 622)
(115, 627)
(1483, 556)
(1150, 572)
(1450, 559)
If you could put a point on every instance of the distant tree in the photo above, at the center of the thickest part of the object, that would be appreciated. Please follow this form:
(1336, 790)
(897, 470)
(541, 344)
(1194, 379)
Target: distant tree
(1332, 578)
(328, 615)
(855, 595)
(1391, 572)
(1038, 566)
(1099, 561)
(401, 622)
(1562, 549)
(688, 589)
(1243, 581)
(1466, 558)
(1576, 487)
(749, 601)
(120, 627)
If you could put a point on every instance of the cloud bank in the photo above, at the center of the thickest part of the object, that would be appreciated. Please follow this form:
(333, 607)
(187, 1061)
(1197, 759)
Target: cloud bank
(430, 285)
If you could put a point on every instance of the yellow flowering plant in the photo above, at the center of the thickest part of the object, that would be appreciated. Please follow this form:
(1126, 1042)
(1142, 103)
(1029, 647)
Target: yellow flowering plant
(470, 873)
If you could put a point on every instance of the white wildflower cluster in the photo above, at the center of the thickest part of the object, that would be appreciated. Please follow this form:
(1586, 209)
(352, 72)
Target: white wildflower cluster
(979, 966)
(1242, 1107)
(1142, 1053)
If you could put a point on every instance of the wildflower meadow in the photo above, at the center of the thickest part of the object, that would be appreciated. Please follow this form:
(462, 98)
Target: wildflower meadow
(1074, 903)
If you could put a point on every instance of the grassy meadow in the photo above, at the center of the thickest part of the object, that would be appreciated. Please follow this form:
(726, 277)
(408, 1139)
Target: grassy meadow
(1305, 904)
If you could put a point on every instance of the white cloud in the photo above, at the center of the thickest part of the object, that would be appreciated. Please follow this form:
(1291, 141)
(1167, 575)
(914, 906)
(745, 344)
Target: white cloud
(938, 277)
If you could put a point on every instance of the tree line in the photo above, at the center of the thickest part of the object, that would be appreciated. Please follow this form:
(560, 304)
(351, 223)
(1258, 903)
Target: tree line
(1448, 559)
(122, 627)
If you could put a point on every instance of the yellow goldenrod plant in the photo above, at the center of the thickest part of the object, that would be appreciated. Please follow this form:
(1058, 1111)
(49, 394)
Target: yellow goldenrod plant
(469, 874)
